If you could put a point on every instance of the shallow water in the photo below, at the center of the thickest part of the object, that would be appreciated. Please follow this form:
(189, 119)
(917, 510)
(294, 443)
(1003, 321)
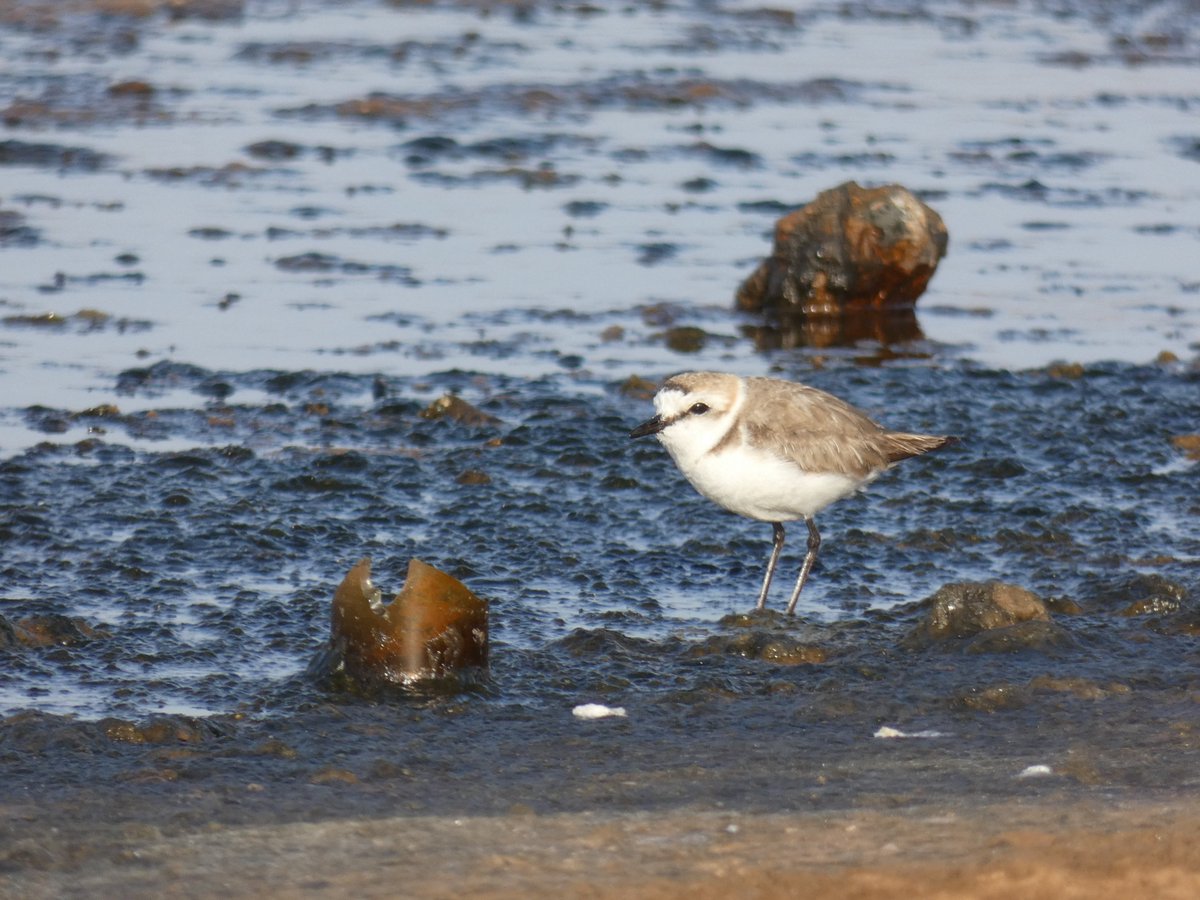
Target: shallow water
(223, 413)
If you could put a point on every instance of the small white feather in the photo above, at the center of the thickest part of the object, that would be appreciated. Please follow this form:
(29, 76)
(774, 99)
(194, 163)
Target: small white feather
(597, 711)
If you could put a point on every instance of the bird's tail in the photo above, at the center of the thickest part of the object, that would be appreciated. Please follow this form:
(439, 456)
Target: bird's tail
(902, 446)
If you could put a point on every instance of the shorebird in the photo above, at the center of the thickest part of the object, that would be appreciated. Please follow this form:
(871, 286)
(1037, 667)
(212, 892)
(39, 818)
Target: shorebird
(775, 451)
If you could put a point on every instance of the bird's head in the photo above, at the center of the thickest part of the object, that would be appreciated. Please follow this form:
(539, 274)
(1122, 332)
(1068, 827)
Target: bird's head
(693, 411)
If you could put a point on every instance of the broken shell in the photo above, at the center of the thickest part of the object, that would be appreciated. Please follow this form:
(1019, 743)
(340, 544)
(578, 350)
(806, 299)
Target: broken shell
(435, 628)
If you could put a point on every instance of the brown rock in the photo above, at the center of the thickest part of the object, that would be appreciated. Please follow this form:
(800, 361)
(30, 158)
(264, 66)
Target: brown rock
(1035, 634)
(103, 411)
(790, 653)
(1063, 606)
(685, 339)
(50, 630)
(993, 698)
(1188, 443)
(1083, 688)
(1141, 594)
(473, 477)
(638, 388)
(435, 628)
(448, 406)
(851, 251)
(158, 730)
(1066, 371)
(779, 649)
(333, 775)
(131, 89)
(968, 609)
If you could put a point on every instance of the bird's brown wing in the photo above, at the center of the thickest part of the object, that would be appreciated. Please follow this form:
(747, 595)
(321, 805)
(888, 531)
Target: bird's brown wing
(823, 433)
(817, 431)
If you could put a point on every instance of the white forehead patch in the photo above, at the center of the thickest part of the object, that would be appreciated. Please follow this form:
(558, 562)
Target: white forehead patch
(671, 401)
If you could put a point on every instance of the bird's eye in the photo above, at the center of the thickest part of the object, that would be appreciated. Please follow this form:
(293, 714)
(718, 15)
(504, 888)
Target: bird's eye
(698, 409)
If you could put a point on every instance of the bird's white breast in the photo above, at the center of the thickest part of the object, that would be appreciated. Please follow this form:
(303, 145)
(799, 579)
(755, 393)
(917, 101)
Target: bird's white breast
(754, 483)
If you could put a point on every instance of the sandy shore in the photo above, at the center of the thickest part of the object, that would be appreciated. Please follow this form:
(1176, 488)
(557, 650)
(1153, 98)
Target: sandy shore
(1010, 850)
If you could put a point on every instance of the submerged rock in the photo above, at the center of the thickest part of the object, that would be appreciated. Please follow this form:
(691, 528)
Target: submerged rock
(435, 628)
(51, 630)
(161, 730)
(1189, 444)
(779, 649)
(1081, 688)
(685, 339)
(994, 617)
(994, 698)
(449, 406)
(1157, 603)
(1139, 594)
(851, 252)
(473, 477)
(1035, 634)
(1006, 696)
(638, 388)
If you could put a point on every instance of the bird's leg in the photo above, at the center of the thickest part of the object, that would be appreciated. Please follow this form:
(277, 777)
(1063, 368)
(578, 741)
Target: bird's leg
(814, 544)
(771, 563)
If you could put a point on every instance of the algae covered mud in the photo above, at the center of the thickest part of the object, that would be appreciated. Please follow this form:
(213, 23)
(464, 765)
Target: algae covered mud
(250, 249)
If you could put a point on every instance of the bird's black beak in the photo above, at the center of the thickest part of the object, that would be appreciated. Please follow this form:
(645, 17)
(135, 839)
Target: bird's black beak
(650, 426)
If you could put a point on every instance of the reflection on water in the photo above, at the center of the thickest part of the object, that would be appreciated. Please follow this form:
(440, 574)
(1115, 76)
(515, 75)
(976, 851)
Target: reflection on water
(894, 329)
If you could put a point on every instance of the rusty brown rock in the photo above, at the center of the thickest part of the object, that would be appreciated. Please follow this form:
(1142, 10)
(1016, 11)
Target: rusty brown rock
(852, 250)
(435, 628)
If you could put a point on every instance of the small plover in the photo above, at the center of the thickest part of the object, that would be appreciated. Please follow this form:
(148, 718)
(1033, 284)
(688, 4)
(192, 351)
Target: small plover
(775, 451)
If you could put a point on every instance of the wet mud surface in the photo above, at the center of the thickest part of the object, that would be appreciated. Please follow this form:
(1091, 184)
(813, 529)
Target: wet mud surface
(210, 574)
(287, 285)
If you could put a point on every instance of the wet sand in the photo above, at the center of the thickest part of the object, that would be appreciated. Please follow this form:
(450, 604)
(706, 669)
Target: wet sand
(1014, 850)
